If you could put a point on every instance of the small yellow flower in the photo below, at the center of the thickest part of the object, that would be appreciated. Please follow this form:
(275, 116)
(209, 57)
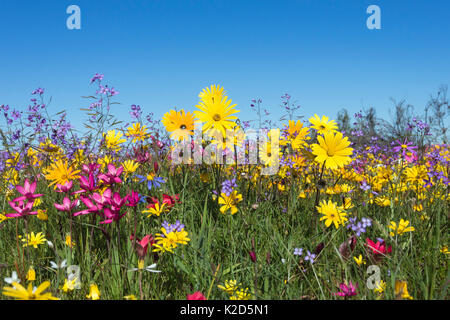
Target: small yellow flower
(42, 215)
(94, 293)
(381, 286)
(31, 274)
(359, 261)
(113, 140)
(402, 227)
(130, 297)
(156, 210)
(444, 250)
(331, 214)
(229, 202)
(401, 290)
(129, 166)
(242, 294)
(69, 285)
(230, 286)
(69, 242)
(34, 240)
(3, 217)
(37, 202)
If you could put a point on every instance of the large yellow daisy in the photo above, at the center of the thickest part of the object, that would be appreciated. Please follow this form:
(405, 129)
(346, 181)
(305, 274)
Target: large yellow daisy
(180, 124)
(332, 150)
(60, 173)
(137, 132)
(323, 125)
(216, 112)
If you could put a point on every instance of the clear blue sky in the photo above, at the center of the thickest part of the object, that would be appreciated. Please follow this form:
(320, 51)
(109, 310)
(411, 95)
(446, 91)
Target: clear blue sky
(161, 53)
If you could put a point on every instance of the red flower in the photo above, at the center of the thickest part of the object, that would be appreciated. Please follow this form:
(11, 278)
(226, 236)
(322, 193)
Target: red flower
(142, 245)
(170, 201)
(196, 296)
(378, 249)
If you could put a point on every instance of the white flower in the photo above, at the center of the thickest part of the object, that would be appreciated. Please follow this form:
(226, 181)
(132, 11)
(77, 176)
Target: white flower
(283, 261)
(148, 268)
(63, 264)
(13, 278)
(50, 244)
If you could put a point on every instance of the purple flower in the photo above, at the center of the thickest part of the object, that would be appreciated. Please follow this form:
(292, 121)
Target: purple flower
(366, 222)
(310, 256)
(39, 91)
(365, 186)
(97, 77)
(228, 186)
(404, 147)
(298, 251)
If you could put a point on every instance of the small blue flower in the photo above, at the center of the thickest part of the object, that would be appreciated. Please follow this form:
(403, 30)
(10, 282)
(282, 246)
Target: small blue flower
(298, 251)
(310, 256)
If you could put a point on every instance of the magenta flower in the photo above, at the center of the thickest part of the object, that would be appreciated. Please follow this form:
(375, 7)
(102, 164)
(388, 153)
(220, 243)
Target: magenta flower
(87, 184)
(132, 199)
(252, 256)
(21, 209)
(90, 168)
(27, 191)
(102, 199)
(67, 205)
(64, 188)
(116, 202)
(347, 290)
(112, 215)
(112, 176)
(92, 208)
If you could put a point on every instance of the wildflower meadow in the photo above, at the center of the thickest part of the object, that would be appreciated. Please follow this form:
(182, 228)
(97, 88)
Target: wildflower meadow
(200, 204)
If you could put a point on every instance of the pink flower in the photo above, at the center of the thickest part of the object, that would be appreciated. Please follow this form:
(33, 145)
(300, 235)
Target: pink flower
(111, 215)
(112, 176)
(91, 207)
(90, 168)
(347, 290)
(87, 184)
(64, 188)
(411, 158)
(196, 296)
(27, 191)
(21, 209)
(132, 199)
(252, 256)
(67, 205)
(116, 202)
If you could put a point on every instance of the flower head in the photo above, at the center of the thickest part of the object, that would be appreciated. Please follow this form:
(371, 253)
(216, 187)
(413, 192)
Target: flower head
(18, 292)
(332, 150)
